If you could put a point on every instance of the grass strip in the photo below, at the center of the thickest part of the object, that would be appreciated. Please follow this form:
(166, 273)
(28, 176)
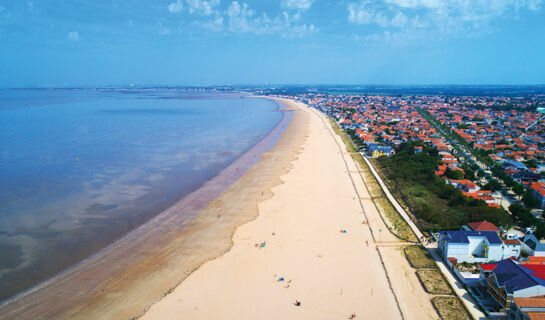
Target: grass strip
(433, 281)
(450, 308)
(419, 257)
(350, 147)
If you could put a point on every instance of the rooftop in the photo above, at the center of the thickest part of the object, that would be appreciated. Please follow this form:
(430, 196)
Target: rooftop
(483, 226)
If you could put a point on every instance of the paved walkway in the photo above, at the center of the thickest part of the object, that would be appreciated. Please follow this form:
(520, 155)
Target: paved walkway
(467, 299)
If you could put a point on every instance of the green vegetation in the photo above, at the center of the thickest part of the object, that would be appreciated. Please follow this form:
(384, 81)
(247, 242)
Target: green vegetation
(532, 163)
(400, 227)
(395, 222)
(436, 204)
(527, 219)
(454, 174)
(350, 147)
(419, 257)
(529, 200)
(493, 185)
(397, 225)
(450, 308)
(523, 214)
(509, 182)
(433, 281)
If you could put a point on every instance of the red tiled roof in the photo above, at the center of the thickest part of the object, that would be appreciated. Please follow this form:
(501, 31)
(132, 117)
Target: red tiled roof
(538, 302)
(511, 242)
(536, 260)
(536, 315)
(539, 187)
(483, 226)
(488, 267)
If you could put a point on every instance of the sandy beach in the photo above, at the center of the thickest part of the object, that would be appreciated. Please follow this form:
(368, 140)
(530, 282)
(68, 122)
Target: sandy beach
(270, 239)
(124, 279)
(306, 258)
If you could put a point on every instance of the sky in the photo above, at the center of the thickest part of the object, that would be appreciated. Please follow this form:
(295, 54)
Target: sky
(226, 42)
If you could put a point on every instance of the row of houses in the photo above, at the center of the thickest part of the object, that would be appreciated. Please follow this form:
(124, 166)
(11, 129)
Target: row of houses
(482, 242)
(514, 288)
(511, 273)
(513, 138)
(383, 122)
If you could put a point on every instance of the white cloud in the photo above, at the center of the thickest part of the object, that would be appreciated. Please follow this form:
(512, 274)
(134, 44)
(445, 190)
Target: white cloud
(367, 13)
(202, 7)
(73, 36)
(297, 4)
(399, 20)
(215, 24)
(164, 31)
(299, 31)
(437, 18)
(176, 6)
(416, 3)
(241, 18)
(357, 13)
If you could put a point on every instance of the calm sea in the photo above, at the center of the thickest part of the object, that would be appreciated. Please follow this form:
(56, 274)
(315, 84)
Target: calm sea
(80, 168)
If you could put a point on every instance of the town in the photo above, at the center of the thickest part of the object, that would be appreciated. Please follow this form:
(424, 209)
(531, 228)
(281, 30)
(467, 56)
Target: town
(488, 153)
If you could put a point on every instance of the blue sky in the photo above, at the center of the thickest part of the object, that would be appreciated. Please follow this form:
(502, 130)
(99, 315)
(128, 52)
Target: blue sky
(192, 42)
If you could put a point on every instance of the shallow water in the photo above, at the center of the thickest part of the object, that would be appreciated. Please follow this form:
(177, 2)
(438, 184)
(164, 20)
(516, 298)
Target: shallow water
(80, 168)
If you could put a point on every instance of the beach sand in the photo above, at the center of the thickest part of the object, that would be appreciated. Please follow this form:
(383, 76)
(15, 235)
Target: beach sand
(332, 274)
(295, 201)
(124, 279)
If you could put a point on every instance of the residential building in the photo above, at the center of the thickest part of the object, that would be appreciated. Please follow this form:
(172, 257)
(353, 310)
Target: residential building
(508, 279)
(527, 309)
(538, 190)
(532, 247)
(471, 246)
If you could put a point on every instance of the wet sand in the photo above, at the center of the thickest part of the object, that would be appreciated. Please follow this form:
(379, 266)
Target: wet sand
(124, 279)
(306, 257)
(295, 201)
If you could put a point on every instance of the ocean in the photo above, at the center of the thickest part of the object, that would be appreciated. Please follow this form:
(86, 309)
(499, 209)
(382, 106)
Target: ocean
(79, 168)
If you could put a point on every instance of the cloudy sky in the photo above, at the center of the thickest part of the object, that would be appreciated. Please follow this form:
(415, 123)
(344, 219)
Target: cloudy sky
(190, 42)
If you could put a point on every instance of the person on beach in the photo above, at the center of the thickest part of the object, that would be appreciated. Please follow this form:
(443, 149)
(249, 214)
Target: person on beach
(297, 303)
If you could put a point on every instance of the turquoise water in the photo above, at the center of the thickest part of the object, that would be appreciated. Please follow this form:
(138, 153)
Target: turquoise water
(80, 168)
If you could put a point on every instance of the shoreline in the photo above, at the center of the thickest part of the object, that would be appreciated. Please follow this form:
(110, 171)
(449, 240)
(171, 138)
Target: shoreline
(102, 278)
(334, 274)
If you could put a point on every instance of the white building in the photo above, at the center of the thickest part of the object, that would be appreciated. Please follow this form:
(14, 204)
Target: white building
(471, 246)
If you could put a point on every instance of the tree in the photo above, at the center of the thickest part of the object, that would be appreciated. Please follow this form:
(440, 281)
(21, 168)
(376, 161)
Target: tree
(493, 185)
(480, 173)
(518, 189)
(454, 174)
(540, 231)
(524, 215)
(529, 199)
(532, 163)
